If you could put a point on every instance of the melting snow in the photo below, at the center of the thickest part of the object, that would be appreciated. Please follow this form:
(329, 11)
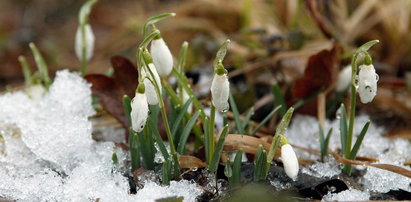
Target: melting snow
(47, 153)
(347, 195)
(304, 132)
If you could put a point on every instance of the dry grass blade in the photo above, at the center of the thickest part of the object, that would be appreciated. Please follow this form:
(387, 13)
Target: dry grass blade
(190, 162)
(388, 167)
(245, 140)
(318, 18)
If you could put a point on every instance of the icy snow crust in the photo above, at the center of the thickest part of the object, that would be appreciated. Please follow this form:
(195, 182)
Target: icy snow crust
(304, 132)
(347, 195)
(47, 154)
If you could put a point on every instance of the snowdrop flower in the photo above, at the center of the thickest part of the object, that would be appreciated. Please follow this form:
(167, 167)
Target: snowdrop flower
(162, 58)
(367, 83)
(89, 38)
(220, 89)
(139, 109)
(290, 161)
(151, 92)
(344, 79)
(36, 91)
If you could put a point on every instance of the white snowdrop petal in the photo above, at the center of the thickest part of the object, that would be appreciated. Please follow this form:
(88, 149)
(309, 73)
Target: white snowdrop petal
(36, 91)
(139, 112)
(89, 42)
(367, 83)
(150, 92)
(220, 91)
(162, 57)
(290, 161)
(344, 79)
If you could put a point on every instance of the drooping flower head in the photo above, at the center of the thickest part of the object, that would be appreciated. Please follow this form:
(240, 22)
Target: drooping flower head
(367, 82)
(220, 89)
(152, 76)
(162, 57)
(290, 161)
(89, 42)
(139, 109)
(344, 79)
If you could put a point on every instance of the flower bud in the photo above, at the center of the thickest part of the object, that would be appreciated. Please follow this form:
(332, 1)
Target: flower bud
(220, 90)
(151, 92)
(367, 83)
(89, 39)
(36, 91)
(290, 161)
(139, 111)
(162, 57)
(344, 79)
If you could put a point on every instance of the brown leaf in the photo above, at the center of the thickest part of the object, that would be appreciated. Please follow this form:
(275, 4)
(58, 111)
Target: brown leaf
(190, 162)
(321, 71)
(110, 95)
(248, 144)
(125, 74)
(401, 133)
(245, 142)
(111, 90)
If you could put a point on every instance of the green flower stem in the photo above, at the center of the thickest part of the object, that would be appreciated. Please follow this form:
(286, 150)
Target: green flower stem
(181, 64)
(182, 80)
(361, 51)
(41, 65)
(164, 116)
(155, 19)
(28, 79)
(84, 62)
(353, 99)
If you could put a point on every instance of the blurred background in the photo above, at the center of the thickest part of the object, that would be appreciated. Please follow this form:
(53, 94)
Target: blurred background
(271, 39)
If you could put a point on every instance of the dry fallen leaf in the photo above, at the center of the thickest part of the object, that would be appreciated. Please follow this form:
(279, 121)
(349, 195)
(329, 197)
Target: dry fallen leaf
(110, 90)
(321, 72)
(190, 162)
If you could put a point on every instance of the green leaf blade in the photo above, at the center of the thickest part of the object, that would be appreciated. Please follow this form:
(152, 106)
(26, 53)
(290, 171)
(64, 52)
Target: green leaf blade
(180, 116)
(359, 140)
(343, 129)
(186, 132)
(219, 148)
(237, 120)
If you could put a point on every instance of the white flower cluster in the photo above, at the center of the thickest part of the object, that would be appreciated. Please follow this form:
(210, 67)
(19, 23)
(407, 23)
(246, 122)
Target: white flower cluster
(159, 63)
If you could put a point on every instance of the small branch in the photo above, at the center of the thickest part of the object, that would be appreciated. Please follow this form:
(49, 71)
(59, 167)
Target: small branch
(312, 7)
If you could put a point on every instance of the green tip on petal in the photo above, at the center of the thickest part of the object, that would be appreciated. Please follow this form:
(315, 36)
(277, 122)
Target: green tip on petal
(220, 69)
(147, 57)
(141, 88)
(368, 60)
